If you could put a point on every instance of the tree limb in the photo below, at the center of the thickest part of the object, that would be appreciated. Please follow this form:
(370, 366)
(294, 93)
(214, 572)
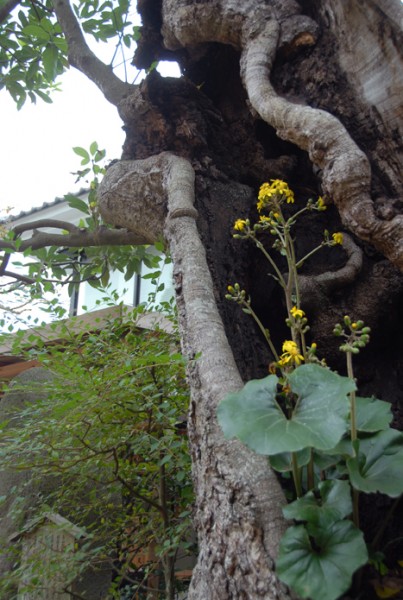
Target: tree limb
(7, 7)
(77, 238)
(51, 223)
(167, 183)
(83, 59)
(18, 277)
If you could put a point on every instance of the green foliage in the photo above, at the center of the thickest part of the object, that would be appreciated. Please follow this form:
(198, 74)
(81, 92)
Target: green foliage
(33, 52)
(106, 20)
(107, 433)
(320, 562)
(372, 414)
(257, 414)
(33, 49)
(308, 420)
(377, 463)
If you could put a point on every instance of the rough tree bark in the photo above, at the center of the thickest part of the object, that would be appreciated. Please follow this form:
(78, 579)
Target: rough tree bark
(309, 92)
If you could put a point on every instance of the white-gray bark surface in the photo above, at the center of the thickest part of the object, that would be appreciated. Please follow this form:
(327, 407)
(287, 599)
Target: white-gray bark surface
(238, 500)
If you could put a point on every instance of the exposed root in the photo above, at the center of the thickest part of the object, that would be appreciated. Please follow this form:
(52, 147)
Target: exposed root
(315, 288)
(260, 30)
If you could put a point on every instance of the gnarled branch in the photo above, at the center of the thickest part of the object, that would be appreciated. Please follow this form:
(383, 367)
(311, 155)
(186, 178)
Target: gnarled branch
(77, 237)
(81, 57)
(259, 31)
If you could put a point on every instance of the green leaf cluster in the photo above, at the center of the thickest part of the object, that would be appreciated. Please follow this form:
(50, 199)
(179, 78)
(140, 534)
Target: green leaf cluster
(33, 52)
(106, 20)
(309, 428)
(108, 433)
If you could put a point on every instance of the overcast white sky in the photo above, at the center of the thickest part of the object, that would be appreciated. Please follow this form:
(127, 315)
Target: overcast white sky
(36, 157)
(36, 142)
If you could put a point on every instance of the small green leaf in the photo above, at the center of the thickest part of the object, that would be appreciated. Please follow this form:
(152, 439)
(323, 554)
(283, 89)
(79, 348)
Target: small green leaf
(93, 148)
(378, 466)
(319, 563)
(77, 203)
(256, 418)
(36, 31)
(83, 153)
(45, 97)
(372, 414)
(49, 58)
(333, 505)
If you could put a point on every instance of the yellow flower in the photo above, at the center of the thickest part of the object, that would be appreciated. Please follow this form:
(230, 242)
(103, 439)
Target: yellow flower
(337, 238)
(276, 188)
(297, 313)
(321, 203)
(291, 354)
(240, 224)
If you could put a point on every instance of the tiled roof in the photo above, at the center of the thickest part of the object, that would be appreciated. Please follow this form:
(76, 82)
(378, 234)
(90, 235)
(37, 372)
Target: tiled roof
(55, 202)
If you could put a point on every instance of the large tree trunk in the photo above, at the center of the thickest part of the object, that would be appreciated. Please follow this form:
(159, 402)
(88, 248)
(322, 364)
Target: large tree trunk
(310, 94)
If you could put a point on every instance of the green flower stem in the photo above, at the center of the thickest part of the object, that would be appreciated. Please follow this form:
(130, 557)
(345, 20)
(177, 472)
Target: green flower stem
(310, 473)
(311, 253)
(353, 424)
(356, 513)
(350, 374)
(293, 285)
(296, 474)
(294, 218)
(273, 264)
(303, 346)
(263, 329)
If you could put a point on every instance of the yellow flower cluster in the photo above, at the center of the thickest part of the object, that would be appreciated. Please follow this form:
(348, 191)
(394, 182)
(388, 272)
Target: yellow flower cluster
(337, 238)
(275, 189)
(240, 224)
(291, 354)
(297, 313)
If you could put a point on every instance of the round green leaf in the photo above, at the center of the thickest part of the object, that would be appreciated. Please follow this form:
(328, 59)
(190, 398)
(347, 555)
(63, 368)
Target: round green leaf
(319, 563)
(372, 414)
(319, 418)
(333, 504)
(378, 466)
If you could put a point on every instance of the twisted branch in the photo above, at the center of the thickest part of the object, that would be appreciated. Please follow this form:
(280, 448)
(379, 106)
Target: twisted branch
(83, 59)
(259, 31)
(78, 237)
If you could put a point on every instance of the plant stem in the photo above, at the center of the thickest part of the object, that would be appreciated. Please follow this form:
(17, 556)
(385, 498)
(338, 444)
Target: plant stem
(296, 474)
(356, 513)
(273, 264)
(310, 473)
(350, 374)
(263, 329)
(311, 253)
(353, 424)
